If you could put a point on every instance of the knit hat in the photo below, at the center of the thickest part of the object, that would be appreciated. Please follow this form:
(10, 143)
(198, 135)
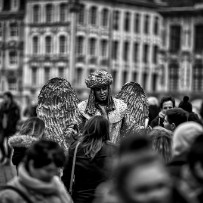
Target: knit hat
(184, 135)
(185, 104)
(99, 78)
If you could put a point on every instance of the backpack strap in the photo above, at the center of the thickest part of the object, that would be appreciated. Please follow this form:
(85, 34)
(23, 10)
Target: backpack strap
(73, 169)
(22, 194)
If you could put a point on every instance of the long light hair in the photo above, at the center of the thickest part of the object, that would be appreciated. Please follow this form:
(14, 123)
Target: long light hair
(95, 134)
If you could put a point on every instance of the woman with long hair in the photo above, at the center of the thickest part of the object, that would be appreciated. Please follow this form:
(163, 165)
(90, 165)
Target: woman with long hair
(93, 151)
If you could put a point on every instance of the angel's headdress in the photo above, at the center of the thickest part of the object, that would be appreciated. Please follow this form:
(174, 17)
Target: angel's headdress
(57, 107)
(96, 79)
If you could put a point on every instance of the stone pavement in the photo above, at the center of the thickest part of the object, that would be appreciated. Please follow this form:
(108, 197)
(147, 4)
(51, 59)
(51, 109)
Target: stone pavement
(7, 172)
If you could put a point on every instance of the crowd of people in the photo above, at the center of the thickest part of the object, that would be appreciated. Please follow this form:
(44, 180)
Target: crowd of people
(98, 151)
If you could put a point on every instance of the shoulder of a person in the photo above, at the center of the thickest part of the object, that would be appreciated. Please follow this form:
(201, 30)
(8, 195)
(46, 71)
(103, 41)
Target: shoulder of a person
(82, 105)
(10, 196)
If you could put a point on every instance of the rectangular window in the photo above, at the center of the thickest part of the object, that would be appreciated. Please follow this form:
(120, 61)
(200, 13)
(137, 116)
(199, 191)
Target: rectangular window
(46, 74)
(13, 58)
(127, 22)
(79, 48)
(79, 72)
(13, 29)
(155, 54)
(146, 25)
(156, 26)
(115, 50)
(48, 47)
(125, 75)
(104, 17)
(36, 13)
(1, 29)
(63, 11)
(126, 51)
(146, 53)
(34, 75)
(35, 45)
(137, 23)
(135, 77)
(93, 16)
(81, 15)
(198, 77)
(49, 13)
(92, 47)
(173, 77)
(62, 44)
(198, 38)
(175, 38)
(104, 44)
(116, 20)
(12, 84)
(61, 72)
(136, 52)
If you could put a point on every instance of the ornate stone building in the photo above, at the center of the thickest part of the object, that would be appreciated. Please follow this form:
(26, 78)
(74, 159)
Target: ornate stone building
(182, 51)
(122, 37)
(11, 45)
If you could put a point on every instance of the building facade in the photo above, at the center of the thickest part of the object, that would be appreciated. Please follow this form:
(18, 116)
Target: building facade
(11, 45)
(122, 38)
(47, 27)
(182, 50)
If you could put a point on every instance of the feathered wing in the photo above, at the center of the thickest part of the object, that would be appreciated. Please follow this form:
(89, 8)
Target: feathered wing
(134, 96)
(58, 108)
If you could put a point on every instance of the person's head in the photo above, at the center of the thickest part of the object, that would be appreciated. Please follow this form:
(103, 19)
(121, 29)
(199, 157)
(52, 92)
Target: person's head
(43, 159)
(33, 127)
(183, 137)
(185, 104)
(101, 93)
(195, 158)
(174, 117)
(95, 133)
(142, 178)
(162, 142)
(8, 97)
(167, 103)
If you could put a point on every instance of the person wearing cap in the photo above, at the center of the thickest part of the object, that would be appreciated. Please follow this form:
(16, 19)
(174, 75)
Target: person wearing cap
(101, 102)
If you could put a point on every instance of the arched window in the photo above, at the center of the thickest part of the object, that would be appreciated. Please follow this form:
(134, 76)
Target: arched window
(48, 46)
(62, 44)
(49, 13)
(92, 46)
(36, 14)
(35, 44)
(104, 17)
(81, 15)
(93, 15)
(80, 45)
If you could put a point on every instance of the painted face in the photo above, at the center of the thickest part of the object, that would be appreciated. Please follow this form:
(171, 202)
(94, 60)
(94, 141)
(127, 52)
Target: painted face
(45, 173)
(101, 93)
(149, 184)
(167, 105)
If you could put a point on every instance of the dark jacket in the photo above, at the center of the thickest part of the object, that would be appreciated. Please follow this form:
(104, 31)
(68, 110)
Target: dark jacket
(13, 116)
(157, 122)
(89, 173)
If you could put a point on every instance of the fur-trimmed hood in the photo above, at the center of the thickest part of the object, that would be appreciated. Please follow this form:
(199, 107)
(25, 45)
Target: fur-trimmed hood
(22, 140)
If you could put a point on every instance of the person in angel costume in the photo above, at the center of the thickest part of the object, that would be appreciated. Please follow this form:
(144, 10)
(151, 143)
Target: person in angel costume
(60, 109)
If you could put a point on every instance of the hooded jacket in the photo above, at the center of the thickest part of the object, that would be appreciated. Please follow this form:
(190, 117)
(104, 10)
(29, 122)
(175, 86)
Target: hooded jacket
(20, 143)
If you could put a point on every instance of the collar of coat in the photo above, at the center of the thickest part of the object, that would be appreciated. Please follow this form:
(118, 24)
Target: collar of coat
(114, 116)
(22, 140)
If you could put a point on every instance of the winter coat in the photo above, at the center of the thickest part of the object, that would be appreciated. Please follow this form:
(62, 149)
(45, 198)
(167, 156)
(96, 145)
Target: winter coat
(13, 116)
(89, 173)
(157, 122)
(20, 143)
(36, 190)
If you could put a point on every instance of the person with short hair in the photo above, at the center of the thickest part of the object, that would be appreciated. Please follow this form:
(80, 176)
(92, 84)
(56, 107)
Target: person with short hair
(165, 104)
(9, 117)
(37, 176)
(31, 131)
(94, 151)
(174, 117)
